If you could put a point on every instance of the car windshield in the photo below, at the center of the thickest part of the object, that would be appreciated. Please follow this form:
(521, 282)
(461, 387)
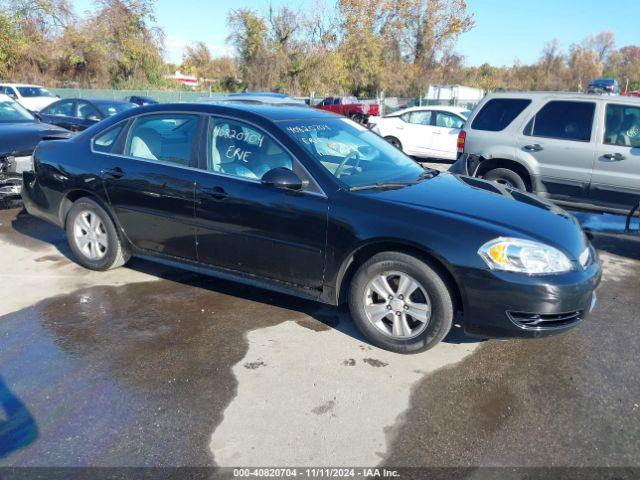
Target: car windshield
(465, 113)
(14, 112)
(110, 109)
(352, 153)
(34, 92)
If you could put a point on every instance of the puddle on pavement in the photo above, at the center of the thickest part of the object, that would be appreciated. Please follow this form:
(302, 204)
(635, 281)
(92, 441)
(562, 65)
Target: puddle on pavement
(146, 363)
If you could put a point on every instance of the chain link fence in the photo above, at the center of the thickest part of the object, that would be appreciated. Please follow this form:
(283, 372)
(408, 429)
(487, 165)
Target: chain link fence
(163, 96)
(388, 104)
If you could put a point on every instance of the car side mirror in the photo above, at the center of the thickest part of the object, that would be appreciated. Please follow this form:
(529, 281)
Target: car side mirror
(282, 177)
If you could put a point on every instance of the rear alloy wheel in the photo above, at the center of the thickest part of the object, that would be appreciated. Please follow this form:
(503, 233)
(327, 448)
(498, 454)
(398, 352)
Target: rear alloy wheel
(93, 237)
(506, 177)
(400, 303)
(394, 141)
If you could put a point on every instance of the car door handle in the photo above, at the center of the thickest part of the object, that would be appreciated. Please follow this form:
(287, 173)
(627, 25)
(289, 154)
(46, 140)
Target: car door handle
(217, 193)
(614, 157)
(533, 148)
(115, 172)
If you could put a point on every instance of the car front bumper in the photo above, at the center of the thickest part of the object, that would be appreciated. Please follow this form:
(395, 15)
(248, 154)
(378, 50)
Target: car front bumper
(505, 305)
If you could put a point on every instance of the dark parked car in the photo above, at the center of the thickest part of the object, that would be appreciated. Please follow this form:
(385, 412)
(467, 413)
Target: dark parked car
(141, 101)
(78, 114)
(20, 132)
(308, 203)
(256, 98)
(607, 86)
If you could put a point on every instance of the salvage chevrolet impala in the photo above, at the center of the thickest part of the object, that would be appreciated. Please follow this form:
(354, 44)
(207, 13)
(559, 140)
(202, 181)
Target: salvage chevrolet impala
(304, 202)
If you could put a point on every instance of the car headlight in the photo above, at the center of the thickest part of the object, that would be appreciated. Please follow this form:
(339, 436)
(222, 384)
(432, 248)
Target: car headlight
(524, 256)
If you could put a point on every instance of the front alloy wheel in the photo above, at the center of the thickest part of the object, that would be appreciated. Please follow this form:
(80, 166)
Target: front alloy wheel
(397, 305)
(401, 302)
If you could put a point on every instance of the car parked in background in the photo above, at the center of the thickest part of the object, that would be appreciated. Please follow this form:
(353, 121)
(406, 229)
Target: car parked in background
(256, 98)
(350, 107)
(20, 132)
(425, 132)
(576, 149)
(607, 86)
(78, 114)
(308, 203)
(141, 101)
(32, 97)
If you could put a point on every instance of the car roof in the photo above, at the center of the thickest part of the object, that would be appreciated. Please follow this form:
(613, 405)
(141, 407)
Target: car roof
(275, 99)
(441, 108)
(274, 113)
(103, 101)
(21, 85)
(98, 101)
(261, 94)
(564, 96)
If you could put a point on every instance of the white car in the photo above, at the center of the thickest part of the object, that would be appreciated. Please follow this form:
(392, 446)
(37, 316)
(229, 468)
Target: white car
(426, 132)
(31, 97)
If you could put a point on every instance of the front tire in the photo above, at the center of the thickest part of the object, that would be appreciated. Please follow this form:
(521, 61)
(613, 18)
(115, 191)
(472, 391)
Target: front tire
(401, 303)
(93, 237)
(506, 177)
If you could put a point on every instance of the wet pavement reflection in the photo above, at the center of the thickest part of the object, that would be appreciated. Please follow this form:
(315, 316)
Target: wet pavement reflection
(137, 374)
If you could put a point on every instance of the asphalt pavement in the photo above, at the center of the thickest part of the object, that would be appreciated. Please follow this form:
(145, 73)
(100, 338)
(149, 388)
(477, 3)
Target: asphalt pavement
(151, 366)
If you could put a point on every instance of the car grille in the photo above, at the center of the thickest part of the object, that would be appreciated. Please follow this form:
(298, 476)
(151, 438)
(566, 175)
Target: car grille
(540, 321)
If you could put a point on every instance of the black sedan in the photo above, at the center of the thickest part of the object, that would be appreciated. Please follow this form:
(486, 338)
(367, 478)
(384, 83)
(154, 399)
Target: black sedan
(304, 202)
(20, 132)
(78, 114)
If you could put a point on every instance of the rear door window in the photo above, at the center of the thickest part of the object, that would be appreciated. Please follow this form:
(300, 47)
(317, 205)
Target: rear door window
(105, 141)
(622, 126)
(418, 117)
(86, 110)
(63, 108)
(497, 114)
(448, 120)
(563, 120)
(166, 138)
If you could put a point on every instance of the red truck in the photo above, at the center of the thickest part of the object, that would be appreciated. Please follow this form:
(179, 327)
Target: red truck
(350, 107)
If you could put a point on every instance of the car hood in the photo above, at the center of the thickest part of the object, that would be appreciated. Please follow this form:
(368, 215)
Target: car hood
(21, 138)
(510, 212)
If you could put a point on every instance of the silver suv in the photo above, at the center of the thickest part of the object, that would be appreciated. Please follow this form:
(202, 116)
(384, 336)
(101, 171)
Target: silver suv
(575, 149)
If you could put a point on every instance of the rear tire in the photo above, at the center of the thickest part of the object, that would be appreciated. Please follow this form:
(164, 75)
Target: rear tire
(394, 141)
(359, 118)
(93, 237)
(416, 311)
(507, 177)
